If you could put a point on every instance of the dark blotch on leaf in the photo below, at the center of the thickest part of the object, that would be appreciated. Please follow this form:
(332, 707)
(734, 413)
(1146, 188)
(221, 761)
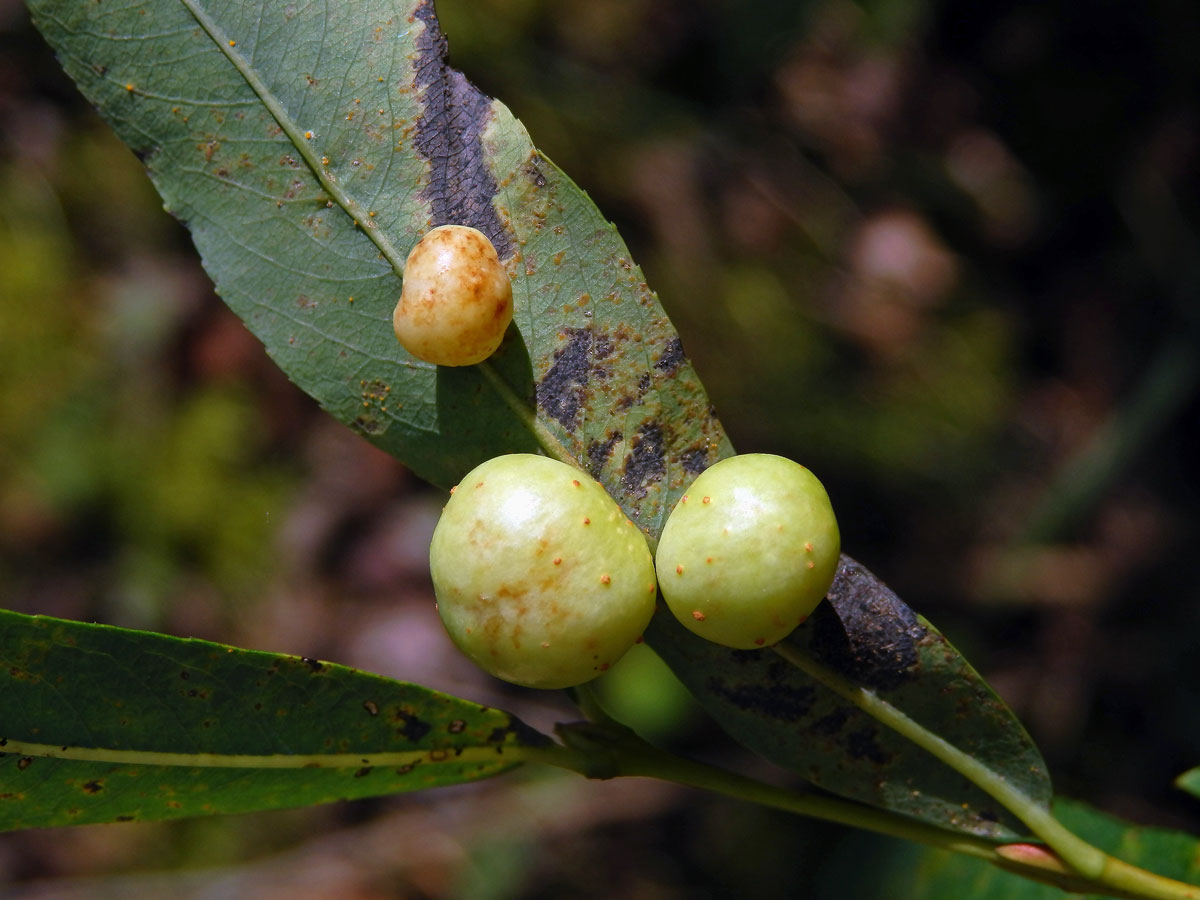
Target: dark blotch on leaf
(862, 744)
(449, 137)
(413, 728)
(694, 460)
(775, 701)
(526, 736)
(831, 724)
(562, 390)
(368, 425)
(672, 357)
(645, 462)
(93, 787)
(865, 631)
(598, 453)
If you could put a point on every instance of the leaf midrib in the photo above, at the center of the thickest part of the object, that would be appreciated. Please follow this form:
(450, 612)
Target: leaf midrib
(472, 754)
(296, 135)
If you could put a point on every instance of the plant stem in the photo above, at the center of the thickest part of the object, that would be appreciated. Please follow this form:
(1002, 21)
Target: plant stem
(1090, 862)
(607, 752)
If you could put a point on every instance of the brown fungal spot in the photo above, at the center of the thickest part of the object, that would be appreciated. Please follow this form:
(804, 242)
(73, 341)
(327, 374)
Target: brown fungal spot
(371, 707)
(94, 786)
(24, 763)
(679, 569)
(606, 579)
(558, 560)
(698, 616)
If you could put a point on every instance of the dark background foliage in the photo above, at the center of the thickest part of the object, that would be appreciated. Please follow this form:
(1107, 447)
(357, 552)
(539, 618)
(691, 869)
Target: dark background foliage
(944, 254)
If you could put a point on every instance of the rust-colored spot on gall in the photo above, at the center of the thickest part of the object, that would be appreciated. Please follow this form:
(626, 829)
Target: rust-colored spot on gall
(698, 616)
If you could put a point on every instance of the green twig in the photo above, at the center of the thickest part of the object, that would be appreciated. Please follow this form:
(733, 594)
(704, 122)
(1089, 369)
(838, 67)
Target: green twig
(608, 751)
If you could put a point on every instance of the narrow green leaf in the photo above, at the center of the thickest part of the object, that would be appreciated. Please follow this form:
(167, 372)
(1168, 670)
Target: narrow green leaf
(307, 147)
(275, 131)
(101, 724)
(1190, 782)
(911, 872)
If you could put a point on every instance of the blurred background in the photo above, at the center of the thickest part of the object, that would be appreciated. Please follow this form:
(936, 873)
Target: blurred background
(943, 253)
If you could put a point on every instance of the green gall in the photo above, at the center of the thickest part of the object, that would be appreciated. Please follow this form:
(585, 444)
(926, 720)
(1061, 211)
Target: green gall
(749, 551)
(539, 576)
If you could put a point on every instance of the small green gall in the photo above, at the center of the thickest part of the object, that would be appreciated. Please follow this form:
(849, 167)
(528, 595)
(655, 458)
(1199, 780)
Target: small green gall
(456, 300)
(749, 551)
(539, 576)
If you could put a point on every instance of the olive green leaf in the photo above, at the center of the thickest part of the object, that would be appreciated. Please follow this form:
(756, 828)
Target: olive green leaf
(307, 147)
(1190, 782)
(902, 871)
(102, 724)
(866, 635)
